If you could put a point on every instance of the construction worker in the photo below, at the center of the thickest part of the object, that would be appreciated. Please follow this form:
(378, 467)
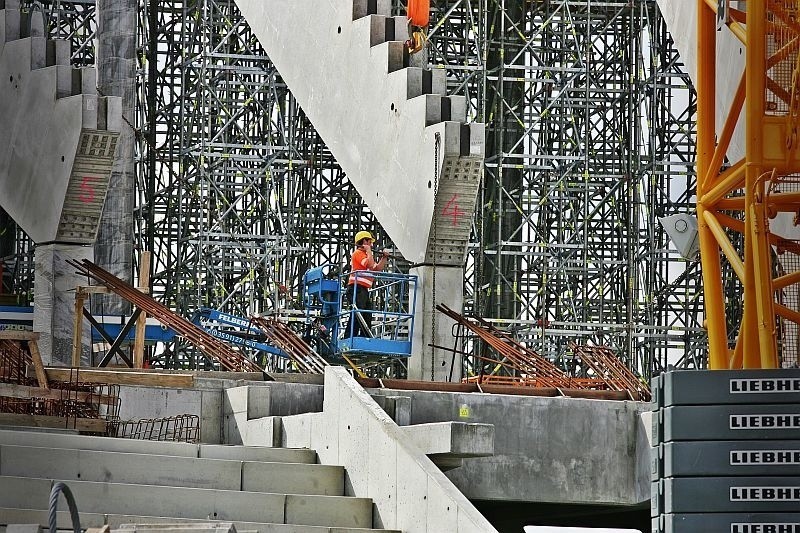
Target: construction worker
(360, 281)
(418, 12)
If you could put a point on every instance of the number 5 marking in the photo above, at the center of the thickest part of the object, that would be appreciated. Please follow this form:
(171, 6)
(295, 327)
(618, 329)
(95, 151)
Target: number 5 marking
(87, 191)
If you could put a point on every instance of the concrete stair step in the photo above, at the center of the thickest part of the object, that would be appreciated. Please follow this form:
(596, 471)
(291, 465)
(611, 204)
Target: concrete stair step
(178, 449)
(9, 25)
(362, 8)
(421, 81)
(162, 470)
(63, 521)
(206, 504)
(384, 29)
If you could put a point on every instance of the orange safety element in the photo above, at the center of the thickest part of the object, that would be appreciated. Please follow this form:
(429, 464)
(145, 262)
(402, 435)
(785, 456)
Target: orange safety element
(419, 12)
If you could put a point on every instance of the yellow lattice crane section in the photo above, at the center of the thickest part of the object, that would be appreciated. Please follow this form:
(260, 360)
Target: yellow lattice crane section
(750, 192)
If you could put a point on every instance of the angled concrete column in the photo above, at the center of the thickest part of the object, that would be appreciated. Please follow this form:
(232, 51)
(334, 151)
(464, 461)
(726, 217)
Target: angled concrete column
(428, 363)
(116, 75)
(58, 140)
(54, 304)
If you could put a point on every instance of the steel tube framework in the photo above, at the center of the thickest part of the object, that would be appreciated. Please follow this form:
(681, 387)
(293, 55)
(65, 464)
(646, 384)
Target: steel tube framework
(590, 138)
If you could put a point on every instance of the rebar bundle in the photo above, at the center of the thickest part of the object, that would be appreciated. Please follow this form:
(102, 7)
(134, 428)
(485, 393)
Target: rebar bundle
(180, 428)
(279, 334)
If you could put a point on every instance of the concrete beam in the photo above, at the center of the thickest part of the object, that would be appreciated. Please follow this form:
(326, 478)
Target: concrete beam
(447, 443)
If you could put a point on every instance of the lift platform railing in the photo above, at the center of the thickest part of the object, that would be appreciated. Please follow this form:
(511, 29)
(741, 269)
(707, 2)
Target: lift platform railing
(393, 298)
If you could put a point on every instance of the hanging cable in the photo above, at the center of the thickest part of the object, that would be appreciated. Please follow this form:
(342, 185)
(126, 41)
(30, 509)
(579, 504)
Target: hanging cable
(59, 487)
(437, 146)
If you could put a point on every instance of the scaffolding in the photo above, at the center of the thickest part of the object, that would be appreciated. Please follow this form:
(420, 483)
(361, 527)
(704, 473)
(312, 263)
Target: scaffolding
(590, 128)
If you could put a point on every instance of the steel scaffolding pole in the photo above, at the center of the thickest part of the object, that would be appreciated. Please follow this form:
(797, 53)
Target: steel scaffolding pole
(590, 119)
(238, 194)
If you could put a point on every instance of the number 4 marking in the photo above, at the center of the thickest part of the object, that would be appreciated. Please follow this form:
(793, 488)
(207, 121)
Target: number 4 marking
(87, 190)
(452, 210)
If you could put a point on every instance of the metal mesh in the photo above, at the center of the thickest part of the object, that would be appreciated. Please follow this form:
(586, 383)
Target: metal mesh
(781, 48)
(14, 362)
(180, 428)
(787, 261)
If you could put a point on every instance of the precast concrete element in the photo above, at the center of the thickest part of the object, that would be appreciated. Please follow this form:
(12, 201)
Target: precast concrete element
(162, 470)
(58, 141)
(409, 492)
(436, 285)
(403, 143)
(556, 450)
(54, 301)
(143, 482)
(156, 402)
(151, 500)
(447, 443)
(116, 76)
(159, 448)
(63, 521)
(58, 137)
(198, 527)
(247, 410)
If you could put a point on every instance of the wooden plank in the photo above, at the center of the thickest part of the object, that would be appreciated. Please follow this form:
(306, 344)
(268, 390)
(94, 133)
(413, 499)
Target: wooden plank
(92, 289)
(16, 335)
(94, 425)
(77, 332)
(86, 290)
(38, 366)
(138, 339)
(12, 390)
(147, 379)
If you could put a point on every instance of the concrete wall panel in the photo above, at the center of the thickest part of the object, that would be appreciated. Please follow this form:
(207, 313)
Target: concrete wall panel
(382, 479)
(595, 459)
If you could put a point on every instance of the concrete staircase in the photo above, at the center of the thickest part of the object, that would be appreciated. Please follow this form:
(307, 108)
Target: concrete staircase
(58, 137)
(404, 144)
(120, 481)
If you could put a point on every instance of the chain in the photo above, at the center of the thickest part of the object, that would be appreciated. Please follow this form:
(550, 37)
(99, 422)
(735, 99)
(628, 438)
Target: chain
(437, 146)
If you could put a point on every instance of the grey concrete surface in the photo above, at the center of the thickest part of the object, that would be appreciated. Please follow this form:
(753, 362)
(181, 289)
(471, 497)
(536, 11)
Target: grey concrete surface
(559, 450)
(458, 439)
(46, 118)
(151, 500)
(162, 470)
(409, 492)
(54, 303)
(426, 363)
(157, 402)
(255, 403)
(258, 453)
(58, 141)
(173, 449)
(63, 521)
(116, 76)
